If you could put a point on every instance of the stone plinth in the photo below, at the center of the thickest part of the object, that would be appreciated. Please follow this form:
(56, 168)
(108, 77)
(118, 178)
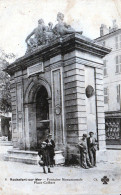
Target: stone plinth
(31, 157)
(65, 68)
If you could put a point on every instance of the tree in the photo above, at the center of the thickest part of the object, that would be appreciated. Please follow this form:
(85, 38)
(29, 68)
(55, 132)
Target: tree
(5, 95)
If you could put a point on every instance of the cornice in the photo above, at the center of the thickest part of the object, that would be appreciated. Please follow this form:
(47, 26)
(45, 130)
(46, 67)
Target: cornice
(61, 46)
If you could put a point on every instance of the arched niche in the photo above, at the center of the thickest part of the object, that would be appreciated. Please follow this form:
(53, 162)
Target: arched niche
(37, 121)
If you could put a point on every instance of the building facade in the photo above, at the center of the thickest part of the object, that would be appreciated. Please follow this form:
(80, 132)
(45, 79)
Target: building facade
(58, 88)
(111, 37)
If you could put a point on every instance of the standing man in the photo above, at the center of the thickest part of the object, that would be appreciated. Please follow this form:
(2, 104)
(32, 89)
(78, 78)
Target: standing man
(92, 147)
(51, 146)
(85, 163)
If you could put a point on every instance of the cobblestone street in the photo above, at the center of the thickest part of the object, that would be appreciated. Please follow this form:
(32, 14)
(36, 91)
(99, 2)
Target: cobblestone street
(23, 179)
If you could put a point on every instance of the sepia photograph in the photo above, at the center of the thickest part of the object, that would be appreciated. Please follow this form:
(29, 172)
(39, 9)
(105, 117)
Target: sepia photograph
(60, 97)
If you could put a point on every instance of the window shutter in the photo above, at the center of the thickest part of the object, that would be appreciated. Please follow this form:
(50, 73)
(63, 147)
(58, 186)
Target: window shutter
(118, 93)
(105, 68)
(117, 68)
(117, 64)
(116, 59)
(116, 42)
(105, 95)
(120, 41)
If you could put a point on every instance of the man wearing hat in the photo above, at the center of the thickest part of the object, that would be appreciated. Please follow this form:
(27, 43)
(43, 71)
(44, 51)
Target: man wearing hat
(92, 147)
(85, 163)
(51, 145)
(45, 158)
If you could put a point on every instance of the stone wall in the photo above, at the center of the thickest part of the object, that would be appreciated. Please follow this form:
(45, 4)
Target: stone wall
(67, 65)
(75, 100)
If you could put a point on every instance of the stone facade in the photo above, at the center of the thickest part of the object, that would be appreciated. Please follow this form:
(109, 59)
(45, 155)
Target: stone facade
(70, 65)
(112, 79)
(112, 84)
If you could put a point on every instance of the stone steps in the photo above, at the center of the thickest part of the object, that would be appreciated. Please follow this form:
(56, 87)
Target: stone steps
(21, 159)
(30, 157)
(6, 143)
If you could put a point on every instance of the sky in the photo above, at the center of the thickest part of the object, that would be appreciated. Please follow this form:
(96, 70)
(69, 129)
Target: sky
(19, 17)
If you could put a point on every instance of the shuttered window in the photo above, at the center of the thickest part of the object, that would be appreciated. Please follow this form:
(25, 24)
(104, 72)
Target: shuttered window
(116, 42)
(118, 93)
(105, 95)
(118, 64)
(105, 68)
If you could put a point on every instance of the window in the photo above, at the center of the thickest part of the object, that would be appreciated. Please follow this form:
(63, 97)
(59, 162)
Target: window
(120, 41)
(105, 68)
(116, 42)
(105, 95)
(118, 93)
(118, 64)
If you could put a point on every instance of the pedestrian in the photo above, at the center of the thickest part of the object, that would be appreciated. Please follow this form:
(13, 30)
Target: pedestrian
(92, 147)
(51, 145)
(85, 163)
(44, 157)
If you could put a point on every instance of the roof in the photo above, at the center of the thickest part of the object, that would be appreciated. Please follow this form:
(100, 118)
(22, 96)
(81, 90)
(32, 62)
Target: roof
(61, 46)
(108, 35)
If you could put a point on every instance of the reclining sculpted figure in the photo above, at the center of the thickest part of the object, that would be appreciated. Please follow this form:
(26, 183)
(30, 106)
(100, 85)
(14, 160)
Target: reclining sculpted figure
(43, 34)
(62, 28)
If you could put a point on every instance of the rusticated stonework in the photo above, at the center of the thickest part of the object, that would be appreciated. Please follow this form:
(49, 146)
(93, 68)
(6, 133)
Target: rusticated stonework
(54, 97)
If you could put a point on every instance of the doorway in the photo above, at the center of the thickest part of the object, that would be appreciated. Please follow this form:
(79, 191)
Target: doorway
(42, 115)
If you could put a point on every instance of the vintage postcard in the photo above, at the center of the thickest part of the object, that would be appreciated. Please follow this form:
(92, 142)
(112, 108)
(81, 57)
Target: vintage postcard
(60, 97)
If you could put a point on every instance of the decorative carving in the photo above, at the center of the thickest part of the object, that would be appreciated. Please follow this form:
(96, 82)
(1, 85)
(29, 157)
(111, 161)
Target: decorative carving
(42, 35)
(89, 91)
(57, 110)
(19, 115)
(112, 127)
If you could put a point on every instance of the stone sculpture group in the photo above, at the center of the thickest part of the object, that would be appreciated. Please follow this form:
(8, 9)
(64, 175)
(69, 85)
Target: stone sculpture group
(43, 35)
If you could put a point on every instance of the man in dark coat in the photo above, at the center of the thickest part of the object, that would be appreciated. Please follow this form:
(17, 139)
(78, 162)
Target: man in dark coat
(92, 147)
(85, 163)
(44, 157)
(51, 146)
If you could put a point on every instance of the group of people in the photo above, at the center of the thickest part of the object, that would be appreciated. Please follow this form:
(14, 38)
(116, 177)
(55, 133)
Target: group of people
(46, 153)
(88, 147)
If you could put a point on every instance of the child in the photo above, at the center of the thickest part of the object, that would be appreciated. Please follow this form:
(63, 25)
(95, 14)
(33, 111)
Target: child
(44, 155)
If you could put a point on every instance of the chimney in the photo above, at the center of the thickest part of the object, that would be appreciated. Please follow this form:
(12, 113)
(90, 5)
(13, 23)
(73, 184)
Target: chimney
(103, 30)
(115, 26)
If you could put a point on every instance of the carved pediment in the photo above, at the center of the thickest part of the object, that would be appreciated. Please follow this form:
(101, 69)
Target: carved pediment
(43, 35)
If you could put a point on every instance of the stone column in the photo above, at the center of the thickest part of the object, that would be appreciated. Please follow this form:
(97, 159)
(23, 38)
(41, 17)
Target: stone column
(32, 126)
(50, 117)
(20, 114)
(57, 107)
(26, 127)
(100, 108)
(75, 104)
